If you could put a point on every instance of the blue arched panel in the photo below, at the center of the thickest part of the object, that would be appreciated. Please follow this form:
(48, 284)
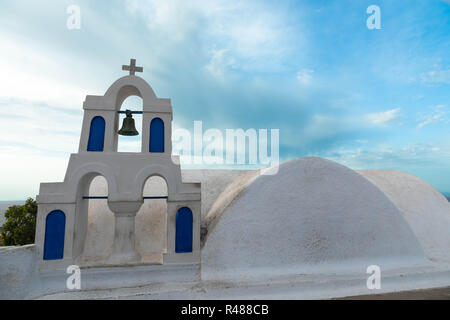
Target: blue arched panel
(96, 134)
(55, 229)
(183, 231)
(157, 135)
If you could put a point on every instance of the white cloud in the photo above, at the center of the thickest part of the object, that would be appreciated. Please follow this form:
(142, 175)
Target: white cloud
(385, 156)
(437, 114)
(436, 76)
(305, 76)
(39, 127)
(128, 146)
(36, 74)
(22, 171)
(384, 117)
(219, 63)
(249, 32)
(429, 120)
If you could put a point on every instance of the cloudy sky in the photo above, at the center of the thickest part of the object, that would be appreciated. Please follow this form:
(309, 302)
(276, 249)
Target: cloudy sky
(369, 99)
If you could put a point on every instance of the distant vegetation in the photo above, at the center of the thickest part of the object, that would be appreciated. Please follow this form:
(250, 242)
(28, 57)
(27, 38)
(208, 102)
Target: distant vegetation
(20, 226)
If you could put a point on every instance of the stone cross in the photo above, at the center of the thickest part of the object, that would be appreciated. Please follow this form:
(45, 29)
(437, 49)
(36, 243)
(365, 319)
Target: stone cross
(132, 67)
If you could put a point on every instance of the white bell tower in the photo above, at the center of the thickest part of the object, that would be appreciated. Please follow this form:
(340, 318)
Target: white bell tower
(62, 207)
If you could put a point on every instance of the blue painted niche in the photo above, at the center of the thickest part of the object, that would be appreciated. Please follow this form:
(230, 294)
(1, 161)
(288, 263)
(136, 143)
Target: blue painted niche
(96, 134)
(55, 229)
(157, 135)
(183, 231)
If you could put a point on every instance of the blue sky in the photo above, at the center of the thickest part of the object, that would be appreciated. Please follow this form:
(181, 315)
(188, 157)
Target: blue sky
(369, 99)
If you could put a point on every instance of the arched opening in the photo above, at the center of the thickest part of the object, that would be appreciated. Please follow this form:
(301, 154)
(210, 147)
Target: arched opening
(131, 143)
(157, 135)
(96, 134)
(55, 230)
(183, 232)
(151, 221)
(95, 236)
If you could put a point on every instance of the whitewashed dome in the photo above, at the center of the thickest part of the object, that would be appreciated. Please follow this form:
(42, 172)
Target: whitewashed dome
(425, 209)
(314, 215)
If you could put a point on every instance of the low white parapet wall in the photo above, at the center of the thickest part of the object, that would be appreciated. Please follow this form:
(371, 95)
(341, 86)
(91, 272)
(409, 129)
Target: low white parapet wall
(16, 271)
(20, 279)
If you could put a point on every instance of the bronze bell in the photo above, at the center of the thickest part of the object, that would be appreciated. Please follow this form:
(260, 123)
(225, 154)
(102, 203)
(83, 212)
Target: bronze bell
(128, 128)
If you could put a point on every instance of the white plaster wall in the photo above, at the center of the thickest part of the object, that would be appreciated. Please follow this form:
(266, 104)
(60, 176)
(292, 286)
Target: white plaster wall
(224, 199)
(151, 222)
(313, 216)
(425, 209)
(16, 269)
(151, 219)
(150, 228)
(213, 183)
(100, 234)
